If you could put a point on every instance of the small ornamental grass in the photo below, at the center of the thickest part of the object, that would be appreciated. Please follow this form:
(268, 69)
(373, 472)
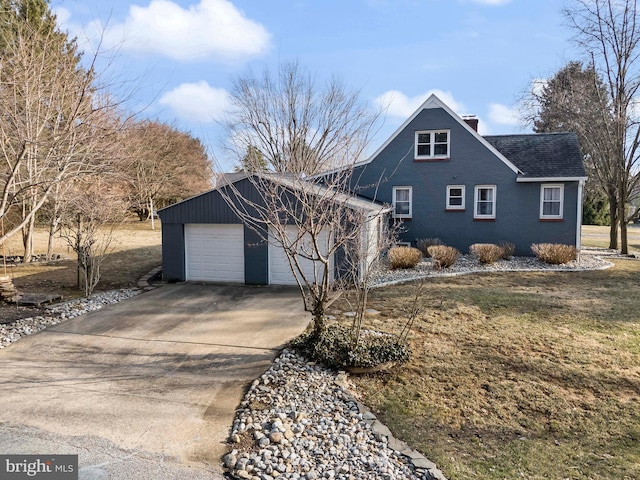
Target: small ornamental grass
(423, 245)
(508, 249)
(554, 253)
(486, 252)
(336, 348)
(443, 256)
(404, 257)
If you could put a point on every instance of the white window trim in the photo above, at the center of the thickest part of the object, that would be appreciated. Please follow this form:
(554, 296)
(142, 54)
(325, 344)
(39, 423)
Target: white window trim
(475, 201)
(433, 140)
(395, 189)
(455, 207)
(551, 217)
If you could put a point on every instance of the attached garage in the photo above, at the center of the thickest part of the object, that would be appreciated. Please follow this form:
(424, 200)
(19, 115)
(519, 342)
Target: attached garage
(203, 239)
(214, 253)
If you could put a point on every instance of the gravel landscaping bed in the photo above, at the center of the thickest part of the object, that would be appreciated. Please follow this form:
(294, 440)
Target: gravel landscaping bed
(55, 314)
(468, 264)
(283, 432)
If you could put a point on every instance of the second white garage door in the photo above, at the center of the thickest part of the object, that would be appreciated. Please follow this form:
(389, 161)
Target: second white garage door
(279, 270)
(214, 253)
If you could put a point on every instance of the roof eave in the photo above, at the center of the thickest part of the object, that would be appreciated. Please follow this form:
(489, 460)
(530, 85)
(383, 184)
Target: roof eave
(550, 179)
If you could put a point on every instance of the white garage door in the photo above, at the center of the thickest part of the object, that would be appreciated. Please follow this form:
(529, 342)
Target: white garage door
(279, 270)
(214, 253)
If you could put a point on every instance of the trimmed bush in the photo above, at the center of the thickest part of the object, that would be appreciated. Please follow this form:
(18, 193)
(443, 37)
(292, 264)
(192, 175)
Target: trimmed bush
(554, 253)
(404, 257)
(335, 348)
(423, 245)
(443, 256)
(508, 250)
(486, 252)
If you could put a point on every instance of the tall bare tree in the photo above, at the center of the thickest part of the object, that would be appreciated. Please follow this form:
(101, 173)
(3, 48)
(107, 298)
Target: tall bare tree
(56, 122)
(302, 128)
(298, 124)
(576, 99)
(608, 31)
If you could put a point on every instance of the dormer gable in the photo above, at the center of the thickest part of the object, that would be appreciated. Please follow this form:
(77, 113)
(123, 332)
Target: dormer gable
(435, 144)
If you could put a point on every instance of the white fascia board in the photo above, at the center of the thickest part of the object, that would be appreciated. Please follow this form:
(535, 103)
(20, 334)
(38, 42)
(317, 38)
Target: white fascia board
(550, 179)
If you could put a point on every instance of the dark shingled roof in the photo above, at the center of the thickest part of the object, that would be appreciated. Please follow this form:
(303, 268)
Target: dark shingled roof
(542, 155)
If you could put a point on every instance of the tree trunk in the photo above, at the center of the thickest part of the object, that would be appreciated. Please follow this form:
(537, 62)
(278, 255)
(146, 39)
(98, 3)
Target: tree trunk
(27, 239)
(622, 220)
(613, 229)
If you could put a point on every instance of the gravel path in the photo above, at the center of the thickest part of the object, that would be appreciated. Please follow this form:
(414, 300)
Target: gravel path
(283, 432)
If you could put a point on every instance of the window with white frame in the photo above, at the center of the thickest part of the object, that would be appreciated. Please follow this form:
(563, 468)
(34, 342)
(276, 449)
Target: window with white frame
(432, 144)
(551, 202)
(485, 202)
(402, 202)
(455, 197)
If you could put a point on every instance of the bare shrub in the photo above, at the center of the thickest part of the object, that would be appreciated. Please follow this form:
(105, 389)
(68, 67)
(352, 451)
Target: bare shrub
(443, 256)
(423, 245)
(508, 250)
(404, 257)
(554, 253)
(486, 252)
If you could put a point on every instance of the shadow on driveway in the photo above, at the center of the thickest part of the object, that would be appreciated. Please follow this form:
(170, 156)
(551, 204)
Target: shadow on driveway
(159, 375)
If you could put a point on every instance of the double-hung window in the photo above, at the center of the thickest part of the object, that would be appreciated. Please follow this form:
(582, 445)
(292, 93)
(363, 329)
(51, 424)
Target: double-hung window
(551, 202)
(485, 202)
(455, 197)
(432, 144)
(402, 202)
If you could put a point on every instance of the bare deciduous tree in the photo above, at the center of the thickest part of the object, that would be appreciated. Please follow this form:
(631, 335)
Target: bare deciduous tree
(608, 31)
(164, 166)
(57, 122)
(93, 210)
(298, 125)
(575, 99)
(302, 128)
(331, 239)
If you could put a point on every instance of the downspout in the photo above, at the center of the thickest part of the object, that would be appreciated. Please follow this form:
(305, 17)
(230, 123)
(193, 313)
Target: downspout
(579, 219)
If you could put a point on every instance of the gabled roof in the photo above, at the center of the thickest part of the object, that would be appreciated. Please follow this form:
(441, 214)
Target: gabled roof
(542, 155)
(289, 181)
(434, 102)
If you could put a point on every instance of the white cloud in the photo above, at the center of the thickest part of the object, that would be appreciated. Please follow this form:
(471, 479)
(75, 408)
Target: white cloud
(210, 29)
(397, 104)
(197, 101)
(503, 115)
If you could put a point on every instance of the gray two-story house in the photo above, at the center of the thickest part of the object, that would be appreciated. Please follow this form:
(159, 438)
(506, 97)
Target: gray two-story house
(445, 180)
(440, 177)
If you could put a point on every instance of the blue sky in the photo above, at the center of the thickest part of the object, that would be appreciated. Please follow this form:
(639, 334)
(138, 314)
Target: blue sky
(177, 58)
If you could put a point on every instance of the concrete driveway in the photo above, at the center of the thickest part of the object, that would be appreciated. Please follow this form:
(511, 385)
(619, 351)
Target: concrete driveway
(146, 388)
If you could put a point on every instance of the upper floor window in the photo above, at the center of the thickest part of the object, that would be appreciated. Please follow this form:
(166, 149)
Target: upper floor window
(455, 197)
(432, 144)
(551, 202)
(485, 202)
(402, 202)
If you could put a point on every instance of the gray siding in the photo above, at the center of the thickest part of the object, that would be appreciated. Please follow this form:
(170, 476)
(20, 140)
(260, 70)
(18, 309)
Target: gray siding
(173, 264)
(210, 208)
(470, 164)
(256, 258)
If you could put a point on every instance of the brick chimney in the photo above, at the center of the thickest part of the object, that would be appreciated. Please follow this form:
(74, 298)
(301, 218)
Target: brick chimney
(472, 121)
